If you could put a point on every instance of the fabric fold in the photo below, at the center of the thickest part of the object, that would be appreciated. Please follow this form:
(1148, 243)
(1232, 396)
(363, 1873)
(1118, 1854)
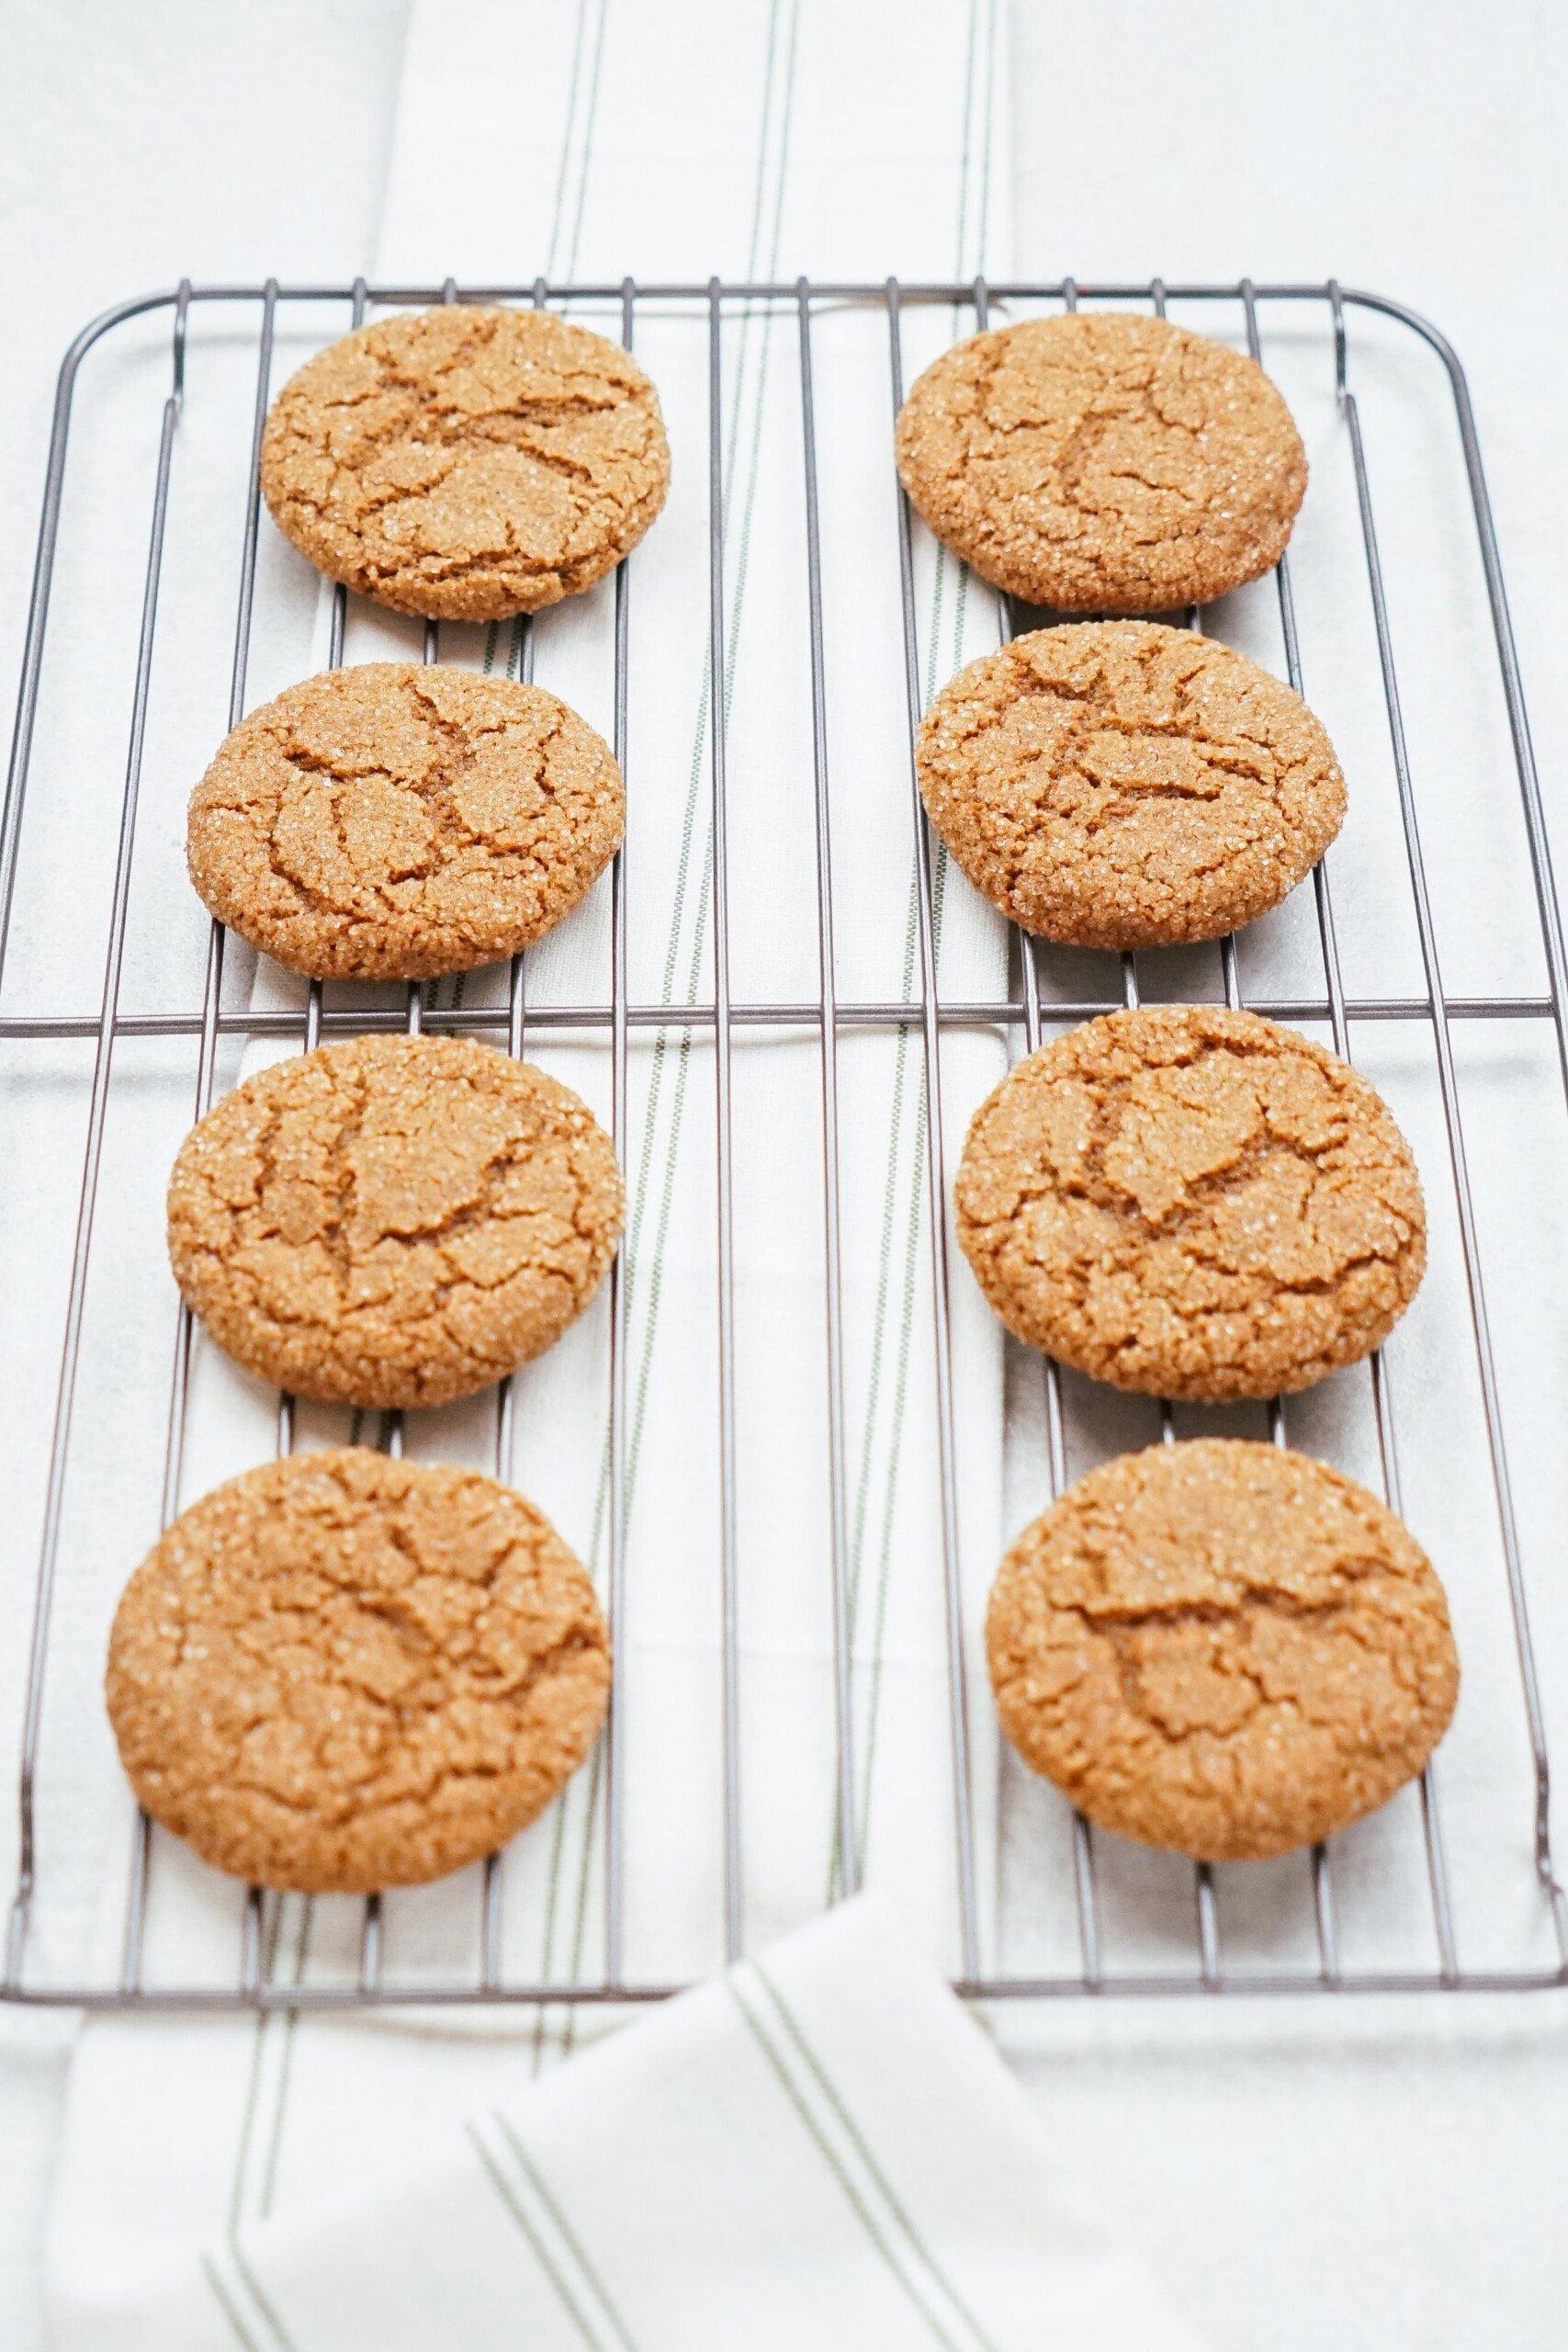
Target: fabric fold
(818, 2147)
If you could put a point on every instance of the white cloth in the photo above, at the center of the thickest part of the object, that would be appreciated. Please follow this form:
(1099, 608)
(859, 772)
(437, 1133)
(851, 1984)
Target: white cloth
(818, 2148)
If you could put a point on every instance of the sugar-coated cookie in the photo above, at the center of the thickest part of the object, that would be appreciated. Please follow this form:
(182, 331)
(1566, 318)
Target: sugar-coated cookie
(1103, 462)
(466, 462)
(393, 1220)
(1117, 784)
(1191, 1202)
(1222, 1647)
(395, 822)
(340, 1672)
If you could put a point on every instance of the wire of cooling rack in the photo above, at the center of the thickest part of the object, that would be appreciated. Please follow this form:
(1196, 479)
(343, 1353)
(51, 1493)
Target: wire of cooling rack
(924, 1017)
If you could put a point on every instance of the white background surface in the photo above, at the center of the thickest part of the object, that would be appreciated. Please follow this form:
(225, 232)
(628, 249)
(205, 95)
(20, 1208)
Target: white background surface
(1394, 2178)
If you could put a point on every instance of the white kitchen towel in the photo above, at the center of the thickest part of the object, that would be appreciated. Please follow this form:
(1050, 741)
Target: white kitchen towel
(819, 2148)
(528, 142)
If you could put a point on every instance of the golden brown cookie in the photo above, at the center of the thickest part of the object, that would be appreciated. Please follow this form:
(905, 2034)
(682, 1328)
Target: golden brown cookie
(394, 822)
(392, 1220)
(1221, 1647)
(340, 1672)
(1103, 462)
(1191, 1202)
(1122, 785)
(465, 463)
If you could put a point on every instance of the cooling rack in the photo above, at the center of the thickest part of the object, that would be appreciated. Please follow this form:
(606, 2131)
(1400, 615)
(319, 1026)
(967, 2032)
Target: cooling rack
(1039, 996)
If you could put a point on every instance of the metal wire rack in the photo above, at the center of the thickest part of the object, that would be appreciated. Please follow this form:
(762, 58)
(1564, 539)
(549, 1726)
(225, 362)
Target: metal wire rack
(926, 1015)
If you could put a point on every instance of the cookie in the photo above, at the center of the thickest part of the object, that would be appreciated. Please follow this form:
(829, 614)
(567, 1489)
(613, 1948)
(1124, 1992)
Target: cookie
(466, 463)
(1221, 1648)
(394, 822)
(1103, 462)
(1191, 1202)
(1122, 785)
(392, 1220)
(340, 1672)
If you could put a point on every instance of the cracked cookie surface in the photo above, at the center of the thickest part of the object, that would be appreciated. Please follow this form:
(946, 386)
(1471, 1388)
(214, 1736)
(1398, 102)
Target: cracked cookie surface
(392, 1220)
(1103, 462)
(1222, 1647)
(1121, 785)
(1191, 1202)
(395, 822)
(340, 1672)
(466, 463)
